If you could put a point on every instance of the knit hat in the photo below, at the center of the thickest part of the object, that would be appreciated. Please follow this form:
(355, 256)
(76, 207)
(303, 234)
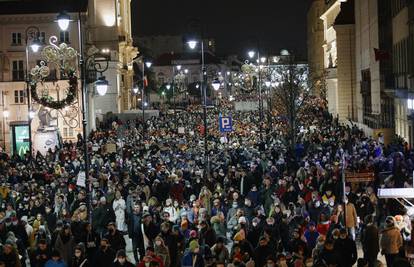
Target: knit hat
(193, 245)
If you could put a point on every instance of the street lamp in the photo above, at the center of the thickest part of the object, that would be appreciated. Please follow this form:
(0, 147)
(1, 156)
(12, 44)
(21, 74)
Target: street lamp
(91, 64)
(147, 64)
(101, 85)
(168, 86)
(192, 44)
(268, 84)
(251, 55)
(63, 20)
(135, 90)
(216, 84)
(32, 34)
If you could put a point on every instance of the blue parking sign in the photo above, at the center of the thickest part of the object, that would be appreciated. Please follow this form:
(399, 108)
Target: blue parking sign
(225, 124)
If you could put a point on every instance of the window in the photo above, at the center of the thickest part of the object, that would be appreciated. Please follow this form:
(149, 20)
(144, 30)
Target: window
(64, 37)
(19, 96)
(17, 69)
(16, 38)
(65, 132)
(70, 132)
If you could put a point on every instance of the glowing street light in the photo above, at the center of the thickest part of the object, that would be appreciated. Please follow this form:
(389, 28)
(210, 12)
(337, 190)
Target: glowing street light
(251, 54)
(192, 44)
(216, 84)
(63, 20)
(102, 85)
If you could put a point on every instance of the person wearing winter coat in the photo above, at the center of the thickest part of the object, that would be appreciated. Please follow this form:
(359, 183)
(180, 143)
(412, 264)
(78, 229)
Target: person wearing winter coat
(79, 257)
(121, 260)
(41, 255)
(370, 241)
(10, 256)
(262, 252)
(391, 240)
(105, 255)
(192, 257)
(102, 215)
(119, 207)
(65, 244)
(161, 250)
(115, 237)
(56, 260)
(351, 218)
(219, 251)
(346, 249)
(218, 224)
(328, 255)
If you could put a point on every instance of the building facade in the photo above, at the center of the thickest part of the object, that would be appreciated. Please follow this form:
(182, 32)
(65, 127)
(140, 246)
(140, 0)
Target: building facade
(315, 49)
(403, 66)
(13, 88)
(339, 58)
(358, 69)
(106, 25)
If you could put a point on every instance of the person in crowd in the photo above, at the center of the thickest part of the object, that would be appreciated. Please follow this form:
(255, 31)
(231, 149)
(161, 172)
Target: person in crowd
(351, 218)
(161, 250)
(150, 258)
(55, 261)
(41, 255)
(121, 259)
(391, 241)
(370, 241)
(105, 255)
(79, 257)
(65, 244)
(115, 237)
(193, 257)
(346, 249)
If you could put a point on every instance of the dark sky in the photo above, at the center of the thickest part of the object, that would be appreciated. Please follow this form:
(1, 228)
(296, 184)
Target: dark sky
(234, 24)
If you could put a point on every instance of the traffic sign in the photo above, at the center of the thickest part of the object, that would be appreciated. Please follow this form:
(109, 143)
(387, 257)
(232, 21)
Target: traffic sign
(225, 124)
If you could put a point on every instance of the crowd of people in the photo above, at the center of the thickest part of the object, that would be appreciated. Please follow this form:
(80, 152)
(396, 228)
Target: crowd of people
(150, 198)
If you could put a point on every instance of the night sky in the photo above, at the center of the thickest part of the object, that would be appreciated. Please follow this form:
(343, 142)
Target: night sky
(234, 24)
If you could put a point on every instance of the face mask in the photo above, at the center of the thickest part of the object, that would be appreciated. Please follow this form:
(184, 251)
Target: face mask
(147, 264)
(317, 204)
(234, 206)
(121, 260)
(254, 224)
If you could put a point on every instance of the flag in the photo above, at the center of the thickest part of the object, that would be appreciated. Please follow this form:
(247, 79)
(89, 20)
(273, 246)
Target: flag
(145, 81)
(381, 55)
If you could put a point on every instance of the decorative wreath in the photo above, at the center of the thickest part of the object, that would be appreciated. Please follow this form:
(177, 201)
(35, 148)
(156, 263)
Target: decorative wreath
(63, 57)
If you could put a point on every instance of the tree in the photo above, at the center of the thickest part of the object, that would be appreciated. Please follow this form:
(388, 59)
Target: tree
(291, 97)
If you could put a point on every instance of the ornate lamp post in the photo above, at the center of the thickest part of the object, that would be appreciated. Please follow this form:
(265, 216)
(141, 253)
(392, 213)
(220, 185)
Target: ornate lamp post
(32, 35)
